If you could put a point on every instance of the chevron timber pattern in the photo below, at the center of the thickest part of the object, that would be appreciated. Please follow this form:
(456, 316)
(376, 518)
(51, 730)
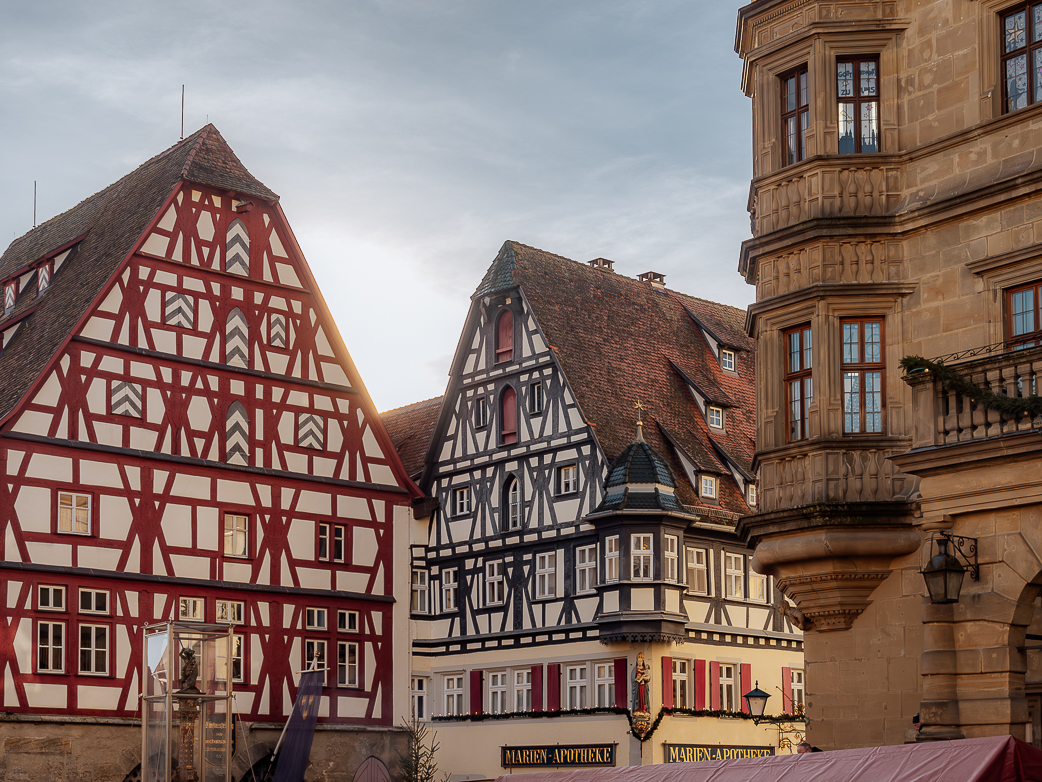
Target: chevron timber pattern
(237, 251)
(310, 430)
(43, 278)
(237, 435)
(277, 331)
(126, 398)
(237, 340)
(9, 297)
(179, 310)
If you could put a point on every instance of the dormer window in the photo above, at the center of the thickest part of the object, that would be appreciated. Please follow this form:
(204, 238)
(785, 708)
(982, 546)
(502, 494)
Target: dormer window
(505, 337)
(708, 487)
(727, 360)
(750, 495)
(716, 418)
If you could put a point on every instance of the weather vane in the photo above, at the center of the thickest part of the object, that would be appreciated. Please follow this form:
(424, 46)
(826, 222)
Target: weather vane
(640, 409)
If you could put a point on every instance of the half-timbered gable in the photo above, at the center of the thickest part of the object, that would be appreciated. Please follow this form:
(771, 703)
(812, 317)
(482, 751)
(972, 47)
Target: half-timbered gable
(538, 578)
(183, 435)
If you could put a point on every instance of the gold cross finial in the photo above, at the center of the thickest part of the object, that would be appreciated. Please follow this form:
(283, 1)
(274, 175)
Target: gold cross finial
(640, 409)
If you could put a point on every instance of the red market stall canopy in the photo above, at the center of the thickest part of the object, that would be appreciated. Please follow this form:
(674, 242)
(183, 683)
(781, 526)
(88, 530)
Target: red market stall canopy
(992, 759)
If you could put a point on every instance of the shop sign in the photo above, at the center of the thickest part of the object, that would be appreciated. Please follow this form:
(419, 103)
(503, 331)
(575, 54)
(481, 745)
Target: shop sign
(559, 755)
(693, 753)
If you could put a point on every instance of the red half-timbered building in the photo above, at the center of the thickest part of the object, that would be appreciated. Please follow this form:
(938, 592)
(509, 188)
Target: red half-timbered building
(183, 435)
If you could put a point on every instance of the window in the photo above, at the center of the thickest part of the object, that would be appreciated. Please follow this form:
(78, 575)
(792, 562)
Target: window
(347, 621)
(1023, 318)
(535, 398)
(862, 376)
(567, 479)
(585, 568)
(50, 647)
(576, 678)
(523, 690)
(672, 559)
(234, 535)
(795, 113)
(728, 690)
(513, 497)
(347, 664)
(497, 693)
(604, 679)
(709, 487)
(697, 571)
(315, 650)
(221, 674)
(50, 598)
(640, 556)
(94, 650)
(727, 360)
(546, 574)
(315, 618)
(734, 576)
(757, 586)
(799, 382)
(231, 612)
(453, 695)
(1022, 56)
(190, 609)
(495, 585)
(716, 418)
(94, 601)
(611, 559)
(750, 495)
(505, 337)
(679, 684)
(419, 592)
(74, 513)
(449, 584)
(857, 87)
(480, 412)
(462, 500)
(799, 697)
(508, 416)
(331, 542)
(419, 698)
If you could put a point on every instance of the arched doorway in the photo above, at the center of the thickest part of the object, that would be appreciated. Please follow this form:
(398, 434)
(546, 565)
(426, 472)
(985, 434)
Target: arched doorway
(372, 770)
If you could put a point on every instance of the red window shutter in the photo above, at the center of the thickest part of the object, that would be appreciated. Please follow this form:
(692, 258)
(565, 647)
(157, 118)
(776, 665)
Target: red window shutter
(477, 691)
(786, 688)
(553, 687)
(714, 686)
(508, 417)
(700, 684)
(621, 682)
(747, 685)
(667, 682)
(505, 337)
(537, 688)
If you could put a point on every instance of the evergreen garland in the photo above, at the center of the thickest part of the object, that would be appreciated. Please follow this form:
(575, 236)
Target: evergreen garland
(1013, 406)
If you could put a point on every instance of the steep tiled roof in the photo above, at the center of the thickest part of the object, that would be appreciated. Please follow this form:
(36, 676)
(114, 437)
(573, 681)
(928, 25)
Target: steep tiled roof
(620, 340)
(410, 429)
(110, 222)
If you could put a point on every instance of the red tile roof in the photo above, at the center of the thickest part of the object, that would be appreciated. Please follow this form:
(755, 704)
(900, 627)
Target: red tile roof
(410, 429)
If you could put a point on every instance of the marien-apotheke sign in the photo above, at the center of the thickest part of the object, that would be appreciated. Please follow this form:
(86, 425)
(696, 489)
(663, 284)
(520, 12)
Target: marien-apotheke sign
(692, 753)
(559, 755)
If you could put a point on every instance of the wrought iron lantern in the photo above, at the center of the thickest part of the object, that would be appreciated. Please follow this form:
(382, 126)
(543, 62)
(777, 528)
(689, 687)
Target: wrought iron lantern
(951, 556)
(756, 700)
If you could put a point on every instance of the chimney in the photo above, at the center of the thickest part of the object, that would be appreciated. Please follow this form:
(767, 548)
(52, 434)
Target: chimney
(656, 279)
(603, 264)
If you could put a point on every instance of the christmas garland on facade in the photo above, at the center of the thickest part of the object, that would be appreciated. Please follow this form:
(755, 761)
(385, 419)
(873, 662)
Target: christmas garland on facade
(1014, 406)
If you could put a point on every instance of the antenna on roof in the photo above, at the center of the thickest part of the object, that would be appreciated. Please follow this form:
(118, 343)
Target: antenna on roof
(34, 203)
(182, 112)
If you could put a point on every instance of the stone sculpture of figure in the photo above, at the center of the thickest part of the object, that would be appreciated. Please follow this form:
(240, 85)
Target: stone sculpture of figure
(642, 678)
(189, 669)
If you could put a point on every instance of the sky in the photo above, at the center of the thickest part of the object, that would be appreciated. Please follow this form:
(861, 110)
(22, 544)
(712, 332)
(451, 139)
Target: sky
(407, 140)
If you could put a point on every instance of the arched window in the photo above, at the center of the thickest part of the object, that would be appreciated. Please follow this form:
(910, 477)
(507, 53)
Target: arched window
(512, 493)
(237, 435)
(508, 416)
(505, 337)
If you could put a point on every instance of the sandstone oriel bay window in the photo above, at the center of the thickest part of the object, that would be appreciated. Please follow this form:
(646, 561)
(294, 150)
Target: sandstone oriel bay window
(857, 88)
(799, 382)
(795, 114)
(863, 376)
(1022, 56)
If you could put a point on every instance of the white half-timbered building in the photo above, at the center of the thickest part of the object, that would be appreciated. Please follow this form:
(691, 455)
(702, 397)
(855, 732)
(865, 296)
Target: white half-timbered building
(564, 543)
(183, 436)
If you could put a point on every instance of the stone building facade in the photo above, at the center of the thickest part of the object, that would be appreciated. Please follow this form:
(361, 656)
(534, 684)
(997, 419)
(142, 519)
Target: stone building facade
(895, 202)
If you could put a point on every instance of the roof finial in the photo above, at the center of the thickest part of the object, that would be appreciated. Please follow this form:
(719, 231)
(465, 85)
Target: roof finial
(640, 424)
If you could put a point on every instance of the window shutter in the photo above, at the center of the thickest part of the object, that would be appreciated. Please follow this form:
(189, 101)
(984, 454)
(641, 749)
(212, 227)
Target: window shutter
(667, 682)
(786, 688)
(747, 685)
(620, 682)
(477, 690)
(700, 684)
(508, 415)
(714, 686)
(537, 688)
(553, 687)
(505, 337)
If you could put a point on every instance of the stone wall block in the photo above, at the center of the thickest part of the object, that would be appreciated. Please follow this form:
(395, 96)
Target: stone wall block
(938, 661)
(968, 661)
(1017, 563)
(1003, 659)
(902, 674)
(991, 711)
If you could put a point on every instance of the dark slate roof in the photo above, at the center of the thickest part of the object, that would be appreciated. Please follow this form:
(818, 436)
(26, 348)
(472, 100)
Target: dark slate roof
(111, 223)
(628, 499)
(410, 429)
(639, 463)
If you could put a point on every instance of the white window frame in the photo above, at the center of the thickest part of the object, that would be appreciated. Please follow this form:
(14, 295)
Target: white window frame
(680, 684)
(715, 416)
(449, 590)
(45, 594)
(513, 491)
(419, 603)
(727, 358)
(74, 513)
(642, 556)
(697, 570)
(575, 678)
(671, 558)
(567, 479)
(54, 648)
(461, 497)
(523, 690)
(331, 539)
(93, 601)
(495, 583)
(750, 493)
(546, 575)
(798, 683)
(585, 569)
(611, 559)
(535, 398)
(312, 645)
(420, 688)
(347, 671)
(453, 690)
(604, 678)
(236, 535)
(734, 576)
(729, 687)
(230, 612)
(758, 585)
(497, 692)
(238, 643)
(480, 412)
(316, 618)
(191, 609)
(708, 484)
(347, 621)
